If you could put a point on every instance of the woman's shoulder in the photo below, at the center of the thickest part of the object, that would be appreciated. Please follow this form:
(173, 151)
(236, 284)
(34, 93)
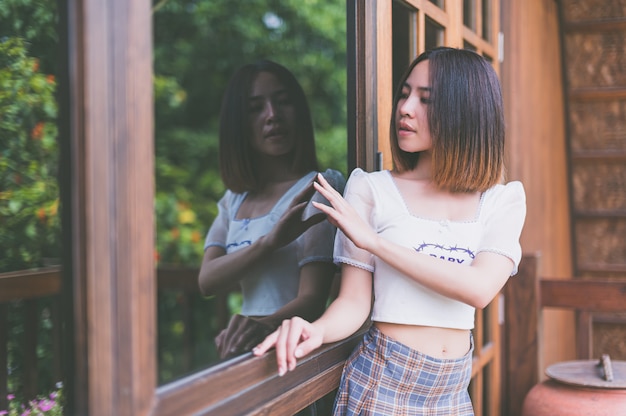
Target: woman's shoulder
(513, 189)
(359, 174)
(505, 196)
(368, 183)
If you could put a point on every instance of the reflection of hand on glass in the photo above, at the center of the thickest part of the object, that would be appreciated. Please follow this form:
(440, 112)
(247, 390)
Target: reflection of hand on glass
(241, 335)
(267, 236)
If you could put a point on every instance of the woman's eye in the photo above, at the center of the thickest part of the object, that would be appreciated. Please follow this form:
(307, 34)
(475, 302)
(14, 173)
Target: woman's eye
(283, 100)
(255, 108)
(425, 100)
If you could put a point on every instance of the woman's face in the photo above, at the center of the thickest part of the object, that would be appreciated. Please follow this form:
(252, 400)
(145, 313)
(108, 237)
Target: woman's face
(412, 127)
(271, 116)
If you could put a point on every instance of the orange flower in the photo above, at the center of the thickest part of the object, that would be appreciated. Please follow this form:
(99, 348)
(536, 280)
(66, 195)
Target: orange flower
(41, 214)
(195, 236)
(37, 130)
(35, 65)
(175, 233)
(50, 79)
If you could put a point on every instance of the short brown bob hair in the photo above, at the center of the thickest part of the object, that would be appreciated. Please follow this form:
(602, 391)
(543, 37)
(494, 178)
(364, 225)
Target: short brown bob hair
(238, 167)
(466, 121)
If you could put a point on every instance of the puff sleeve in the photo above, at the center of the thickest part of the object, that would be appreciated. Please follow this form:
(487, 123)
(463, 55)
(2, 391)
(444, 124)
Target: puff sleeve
(218, 233)
(359, 195)
(503, 222)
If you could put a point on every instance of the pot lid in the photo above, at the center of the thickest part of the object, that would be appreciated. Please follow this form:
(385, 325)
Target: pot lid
(590, 373)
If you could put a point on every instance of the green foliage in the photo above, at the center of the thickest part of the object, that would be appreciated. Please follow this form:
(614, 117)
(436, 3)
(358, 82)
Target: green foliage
(29, 224)
(36, 22)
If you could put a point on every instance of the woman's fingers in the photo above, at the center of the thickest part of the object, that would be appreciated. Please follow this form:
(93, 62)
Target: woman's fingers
(292, 341)
(267, 343)
(323, 187)
(294, 336)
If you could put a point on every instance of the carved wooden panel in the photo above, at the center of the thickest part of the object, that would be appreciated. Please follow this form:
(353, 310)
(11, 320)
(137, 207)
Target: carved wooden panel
(609, 336)
(601, 241)
(576, 10)
(596, 59)
(599, 186)
(598, 125)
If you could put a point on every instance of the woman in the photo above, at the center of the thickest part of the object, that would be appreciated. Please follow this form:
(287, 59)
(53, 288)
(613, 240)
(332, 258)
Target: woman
(267, 237)
(436, 237)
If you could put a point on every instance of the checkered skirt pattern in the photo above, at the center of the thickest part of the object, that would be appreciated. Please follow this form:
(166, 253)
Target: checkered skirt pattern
(383, 377)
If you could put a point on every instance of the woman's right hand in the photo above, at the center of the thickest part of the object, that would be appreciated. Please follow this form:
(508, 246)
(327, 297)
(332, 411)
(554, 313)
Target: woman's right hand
(294, 339)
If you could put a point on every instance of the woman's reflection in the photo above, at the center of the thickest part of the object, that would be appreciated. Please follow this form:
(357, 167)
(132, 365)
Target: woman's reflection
(267, 236)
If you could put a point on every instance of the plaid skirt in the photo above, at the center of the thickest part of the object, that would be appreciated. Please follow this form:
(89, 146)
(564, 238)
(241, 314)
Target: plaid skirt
(383, 377)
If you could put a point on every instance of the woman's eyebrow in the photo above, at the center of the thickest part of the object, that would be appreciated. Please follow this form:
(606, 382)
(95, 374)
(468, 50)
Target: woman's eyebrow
(282, 91)
(422, 89)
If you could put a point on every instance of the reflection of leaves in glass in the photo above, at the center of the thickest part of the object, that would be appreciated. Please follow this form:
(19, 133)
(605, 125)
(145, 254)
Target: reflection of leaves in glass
(29, 201)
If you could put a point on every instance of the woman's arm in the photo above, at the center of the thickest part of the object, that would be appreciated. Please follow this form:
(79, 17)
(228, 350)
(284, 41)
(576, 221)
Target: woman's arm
(243, 333)
(475, 285)
(310, 303)
(219, 269)
(296, 337)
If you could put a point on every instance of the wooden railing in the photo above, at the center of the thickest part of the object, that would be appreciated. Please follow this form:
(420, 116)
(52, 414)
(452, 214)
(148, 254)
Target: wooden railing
(30, 286)
(37, 286)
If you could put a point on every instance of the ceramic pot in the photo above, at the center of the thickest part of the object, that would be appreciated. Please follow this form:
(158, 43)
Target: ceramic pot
(580, 388)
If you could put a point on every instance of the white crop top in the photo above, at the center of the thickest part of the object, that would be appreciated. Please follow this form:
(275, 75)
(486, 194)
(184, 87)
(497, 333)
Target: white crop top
(399, 299)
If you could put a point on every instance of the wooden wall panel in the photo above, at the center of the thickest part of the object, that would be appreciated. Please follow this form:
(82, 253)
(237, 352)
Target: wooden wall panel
(599, 186)
(595, 59)
(598, 125)
(610, 337)
(592, 9)
(532, 86)
(600, 242)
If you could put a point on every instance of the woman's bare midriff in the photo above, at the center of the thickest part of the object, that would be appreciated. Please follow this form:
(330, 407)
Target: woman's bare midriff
(433, 341)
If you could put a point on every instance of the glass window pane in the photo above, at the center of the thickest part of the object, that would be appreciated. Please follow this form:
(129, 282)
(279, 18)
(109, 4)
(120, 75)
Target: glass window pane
(487, 16)
(467, 45)
(404, 39)
(198, 45)
(433, 34)
(469, 14)
(439, 3)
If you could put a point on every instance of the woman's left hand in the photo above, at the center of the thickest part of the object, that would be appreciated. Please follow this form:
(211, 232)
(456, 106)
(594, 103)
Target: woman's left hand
(343, 216)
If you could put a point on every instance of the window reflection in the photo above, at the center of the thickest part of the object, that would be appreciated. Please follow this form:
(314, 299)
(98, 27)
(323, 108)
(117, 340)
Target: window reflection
(197, 47)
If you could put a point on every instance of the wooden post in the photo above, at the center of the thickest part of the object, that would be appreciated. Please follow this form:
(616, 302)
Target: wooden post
(520, 343)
